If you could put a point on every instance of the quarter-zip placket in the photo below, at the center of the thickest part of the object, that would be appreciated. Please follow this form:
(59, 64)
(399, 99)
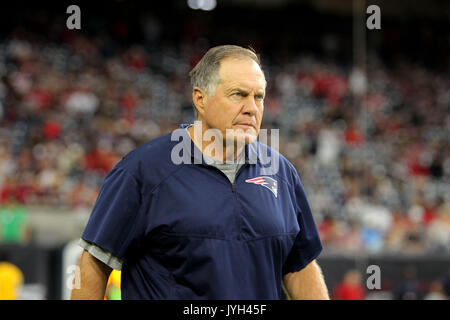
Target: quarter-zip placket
(233, 191)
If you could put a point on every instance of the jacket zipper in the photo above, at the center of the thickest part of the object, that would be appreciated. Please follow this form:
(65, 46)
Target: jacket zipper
(233, 190)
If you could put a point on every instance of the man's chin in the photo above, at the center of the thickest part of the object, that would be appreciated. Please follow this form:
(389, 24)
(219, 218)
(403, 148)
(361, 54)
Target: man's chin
(244, 136)
(245, 139)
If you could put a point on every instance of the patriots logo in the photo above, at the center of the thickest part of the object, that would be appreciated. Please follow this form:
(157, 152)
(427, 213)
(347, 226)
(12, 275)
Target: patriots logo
(266, 182)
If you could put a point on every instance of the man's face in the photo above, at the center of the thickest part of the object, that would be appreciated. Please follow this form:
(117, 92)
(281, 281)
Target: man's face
(237, 103)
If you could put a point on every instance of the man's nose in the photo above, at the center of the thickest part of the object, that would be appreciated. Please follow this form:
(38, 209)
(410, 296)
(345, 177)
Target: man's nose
(250, 106)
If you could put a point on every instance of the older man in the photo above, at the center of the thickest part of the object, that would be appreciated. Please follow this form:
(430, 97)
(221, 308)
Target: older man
(216, 225)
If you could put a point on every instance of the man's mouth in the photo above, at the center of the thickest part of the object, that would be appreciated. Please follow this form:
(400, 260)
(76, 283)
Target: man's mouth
(246, 125)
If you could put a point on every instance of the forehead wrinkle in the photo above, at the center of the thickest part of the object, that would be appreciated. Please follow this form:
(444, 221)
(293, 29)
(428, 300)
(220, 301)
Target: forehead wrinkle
(237, 85)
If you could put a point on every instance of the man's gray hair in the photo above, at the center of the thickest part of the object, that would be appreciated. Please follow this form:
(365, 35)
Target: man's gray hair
(205, 74)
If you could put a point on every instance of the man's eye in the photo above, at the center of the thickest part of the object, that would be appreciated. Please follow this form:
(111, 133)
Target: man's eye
(237, 94)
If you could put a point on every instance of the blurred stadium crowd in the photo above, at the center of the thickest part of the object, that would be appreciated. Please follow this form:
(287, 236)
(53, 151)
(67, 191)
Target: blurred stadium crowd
(375, 166)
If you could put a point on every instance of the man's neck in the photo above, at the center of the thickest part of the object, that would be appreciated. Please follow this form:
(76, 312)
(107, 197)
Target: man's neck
(232, 151)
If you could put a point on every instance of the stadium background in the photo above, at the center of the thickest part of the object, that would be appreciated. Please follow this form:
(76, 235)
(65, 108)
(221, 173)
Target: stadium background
(363, 115)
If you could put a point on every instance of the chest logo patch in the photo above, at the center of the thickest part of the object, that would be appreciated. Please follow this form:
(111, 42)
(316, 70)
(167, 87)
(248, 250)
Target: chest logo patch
(266, 182)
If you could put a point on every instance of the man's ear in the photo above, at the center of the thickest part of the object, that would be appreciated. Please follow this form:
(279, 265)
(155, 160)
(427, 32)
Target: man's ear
(199, 98)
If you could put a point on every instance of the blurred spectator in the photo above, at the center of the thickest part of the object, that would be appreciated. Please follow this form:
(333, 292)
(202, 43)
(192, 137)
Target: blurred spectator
(81, 102)
(436, 292)
(13, 219)
(113, 291)
(351, 287)
(437, 235)
(446, 283)
(11, 279)
(407, 287)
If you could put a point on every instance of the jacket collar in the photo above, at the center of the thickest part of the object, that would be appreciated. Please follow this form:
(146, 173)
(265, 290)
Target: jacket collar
(251, 151)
